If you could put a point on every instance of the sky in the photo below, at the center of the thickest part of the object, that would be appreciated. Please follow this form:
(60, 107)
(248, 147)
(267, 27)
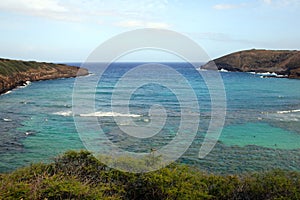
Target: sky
(69, 30)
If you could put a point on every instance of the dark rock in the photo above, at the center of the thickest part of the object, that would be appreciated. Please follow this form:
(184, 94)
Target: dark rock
(282, 62)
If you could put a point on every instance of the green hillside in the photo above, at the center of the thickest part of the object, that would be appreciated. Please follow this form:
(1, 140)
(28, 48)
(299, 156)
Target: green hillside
(79, 175)
(14, 73)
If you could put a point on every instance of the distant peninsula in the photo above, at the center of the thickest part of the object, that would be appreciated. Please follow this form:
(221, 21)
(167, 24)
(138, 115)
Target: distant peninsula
(284, 63)
(14, 73)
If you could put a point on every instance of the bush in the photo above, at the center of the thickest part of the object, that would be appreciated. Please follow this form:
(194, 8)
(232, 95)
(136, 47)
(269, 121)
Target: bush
(79, 175)
(57, 187)
(275, 184)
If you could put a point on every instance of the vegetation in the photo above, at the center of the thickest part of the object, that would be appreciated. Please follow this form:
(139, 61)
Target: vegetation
(15, 73)
(9, 67)
(79, 175)
(282, 62)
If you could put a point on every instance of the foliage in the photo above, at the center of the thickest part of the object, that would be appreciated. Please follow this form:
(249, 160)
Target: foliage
(11, 67)
(79, 175)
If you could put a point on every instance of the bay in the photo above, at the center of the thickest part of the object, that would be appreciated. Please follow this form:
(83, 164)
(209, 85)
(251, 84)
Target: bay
(261, 131)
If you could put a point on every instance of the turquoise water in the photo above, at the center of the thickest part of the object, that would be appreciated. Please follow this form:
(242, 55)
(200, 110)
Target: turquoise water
(261, 132)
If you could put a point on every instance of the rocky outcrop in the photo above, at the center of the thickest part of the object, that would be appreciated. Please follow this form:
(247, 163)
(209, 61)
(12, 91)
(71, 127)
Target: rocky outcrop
(15, 73)
(282, 62)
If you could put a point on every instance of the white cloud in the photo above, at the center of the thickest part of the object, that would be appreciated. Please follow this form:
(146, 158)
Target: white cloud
(282, 3)
(130, 23)
(52, 9)
(157, 25)
(267, 1)
(31, 5)
(142, 12)
(273, 3)
(227, 6)
(140, 23)
(222, 37)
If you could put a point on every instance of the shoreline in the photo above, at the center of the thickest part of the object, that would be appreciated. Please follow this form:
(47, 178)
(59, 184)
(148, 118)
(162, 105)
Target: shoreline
(16, 73)
(268, 63)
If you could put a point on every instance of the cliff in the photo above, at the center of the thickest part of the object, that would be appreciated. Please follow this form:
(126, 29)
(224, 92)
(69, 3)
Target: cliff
(14, 73)
(282, 62)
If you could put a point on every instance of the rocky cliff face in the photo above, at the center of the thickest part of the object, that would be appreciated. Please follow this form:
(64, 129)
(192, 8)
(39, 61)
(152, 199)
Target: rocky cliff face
(282, 62)
(14, 73)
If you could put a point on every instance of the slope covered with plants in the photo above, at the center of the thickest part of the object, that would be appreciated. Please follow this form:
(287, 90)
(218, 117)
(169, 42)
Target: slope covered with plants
(79, 175)
(15, 73)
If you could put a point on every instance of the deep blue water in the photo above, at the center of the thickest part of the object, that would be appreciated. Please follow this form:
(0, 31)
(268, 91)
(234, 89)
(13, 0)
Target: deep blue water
(261, 131)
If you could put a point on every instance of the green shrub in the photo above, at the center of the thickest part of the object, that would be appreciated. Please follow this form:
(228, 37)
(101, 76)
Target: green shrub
(276, 184)
(57, 187)
(175, 182)
(15, 190)
(79, 175)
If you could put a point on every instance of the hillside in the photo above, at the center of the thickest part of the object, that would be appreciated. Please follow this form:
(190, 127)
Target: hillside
(282, 62)
(79, 175)
(15, 73)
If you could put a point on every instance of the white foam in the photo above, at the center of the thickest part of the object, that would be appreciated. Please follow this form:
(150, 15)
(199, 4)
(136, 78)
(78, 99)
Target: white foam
(146, 120)
(27, 133)
(64, 113)
(223, 70)
(25, 85)
(284, 115)
(201, 69)
(274, 74)
(124, 124)
(280, 76)
(267, 74)
(8, 92)
(7, 120)
(288, 111)
(90, 74)
(108, 114)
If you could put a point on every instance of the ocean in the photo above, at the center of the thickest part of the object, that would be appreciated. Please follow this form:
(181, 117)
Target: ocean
(261, 129)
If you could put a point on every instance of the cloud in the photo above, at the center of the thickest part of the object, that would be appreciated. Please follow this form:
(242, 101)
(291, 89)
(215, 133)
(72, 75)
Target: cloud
(227, 6)
(222, 37)
(51, 9)
(273, 3)
(106, 11)
(129, 23)
(267, 1)
(32, 5)
(140, 23)
(282, 3)
(157, 25)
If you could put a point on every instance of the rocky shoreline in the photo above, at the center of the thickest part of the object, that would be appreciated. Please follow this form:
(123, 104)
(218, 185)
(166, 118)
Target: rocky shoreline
(283, 63)
(14, 73)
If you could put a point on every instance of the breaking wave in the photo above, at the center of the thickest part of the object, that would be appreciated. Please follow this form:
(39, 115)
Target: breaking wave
(287, 111)
(96, 114)
(108, 114)
(64, 113)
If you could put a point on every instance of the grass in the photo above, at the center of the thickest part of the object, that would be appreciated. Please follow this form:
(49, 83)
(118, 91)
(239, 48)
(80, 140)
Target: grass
(9, 67)
(12, 67)
(79, 175)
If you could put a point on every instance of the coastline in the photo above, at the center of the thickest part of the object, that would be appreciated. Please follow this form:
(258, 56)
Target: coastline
(267, 63)
(16, 73)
